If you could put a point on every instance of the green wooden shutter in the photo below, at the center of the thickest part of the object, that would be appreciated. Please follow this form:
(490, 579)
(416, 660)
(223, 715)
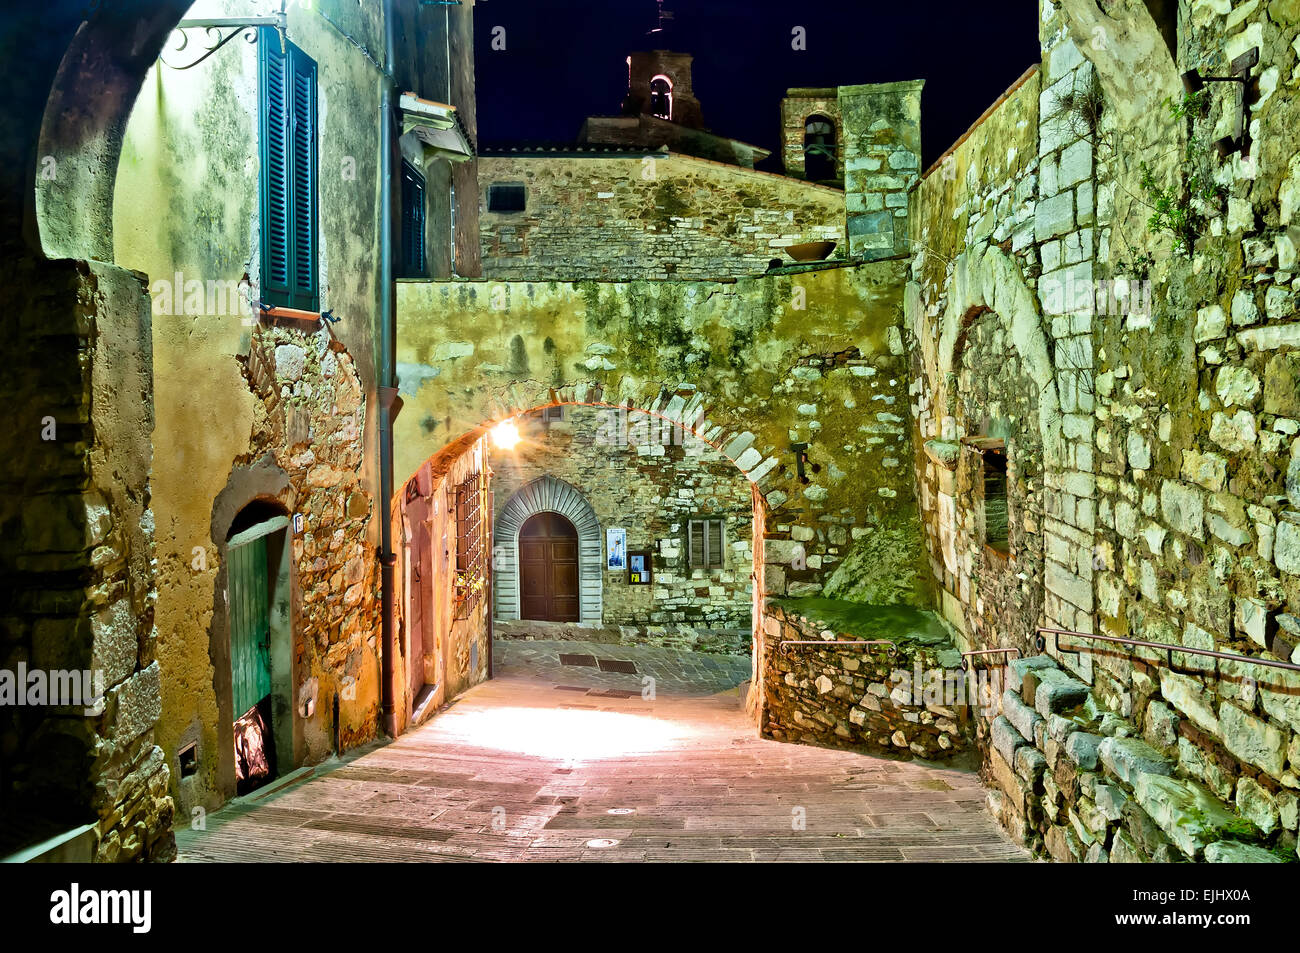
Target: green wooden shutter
(306, 294)
(275, 175)
(250, 624)
(413, 223)
(290, 201)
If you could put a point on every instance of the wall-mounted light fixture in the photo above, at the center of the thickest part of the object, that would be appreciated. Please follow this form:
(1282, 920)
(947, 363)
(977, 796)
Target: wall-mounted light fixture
(1194, 82)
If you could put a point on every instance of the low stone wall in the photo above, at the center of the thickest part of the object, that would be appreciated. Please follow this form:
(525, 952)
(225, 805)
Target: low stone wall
(1076, 782)
(681, 637)
(909, 701)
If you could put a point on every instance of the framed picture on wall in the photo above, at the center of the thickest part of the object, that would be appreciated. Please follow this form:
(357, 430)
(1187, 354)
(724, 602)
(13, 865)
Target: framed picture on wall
(615, 549)
(639, 571)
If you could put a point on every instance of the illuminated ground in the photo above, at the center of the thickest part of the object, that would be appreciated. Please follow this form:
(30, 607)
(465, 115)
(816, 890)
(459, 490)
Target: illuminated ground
(529, 766)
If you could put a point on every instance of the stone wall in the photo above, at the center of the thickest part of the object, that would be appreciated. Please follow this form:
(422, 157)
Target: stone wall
(798, 379)
(77, 558)
(907, 699)
(881, 154)
(678, 636)
(647, 216)
(1149, 435)
(650, 478)
(1078, 782)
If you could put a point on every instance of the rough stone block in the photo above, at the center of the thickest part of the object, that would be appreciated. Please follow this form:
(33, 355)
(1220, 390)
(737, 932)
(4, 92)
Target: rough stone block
(1129, 759)
(1190, 816)
(1235, 852)
(1252, 740)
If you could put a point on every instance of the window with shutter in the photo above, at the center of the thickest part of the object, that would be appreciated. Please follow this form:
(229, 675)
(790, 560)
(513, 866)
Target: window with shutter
(413, 254)
(289, 189)
(704, 544)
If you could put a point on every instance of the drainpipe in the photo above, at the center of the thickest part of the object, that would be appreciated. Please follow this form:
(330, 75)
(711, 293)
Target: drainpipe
(389, 403)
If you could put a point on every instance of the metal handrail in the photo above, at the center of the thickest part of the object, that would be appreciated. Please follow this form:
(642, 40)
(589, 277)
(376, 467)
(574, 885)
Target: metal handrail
(852, 642)
(1165, 646)
(966, 655)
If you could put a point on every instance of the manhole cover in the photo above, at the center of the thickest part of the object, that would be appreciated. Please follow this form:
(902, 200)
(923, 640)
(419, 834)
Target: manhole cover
(621, 810)
(601, 842)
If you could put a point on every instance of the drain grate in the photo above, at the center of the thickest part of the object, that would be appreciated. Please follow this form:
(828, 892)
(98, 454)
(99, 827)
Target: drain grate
(570, 688)
(587, 660)
(613, 693)
(616, 665)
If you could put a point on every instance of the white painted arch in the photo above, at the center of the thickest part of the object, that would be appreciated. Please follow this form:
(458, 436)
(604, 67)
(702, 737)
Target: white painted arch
(547, 494)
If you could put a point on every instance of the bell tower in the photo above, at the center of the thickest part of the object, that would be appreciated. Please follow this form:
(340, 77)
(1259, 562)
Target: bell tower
(659, 85)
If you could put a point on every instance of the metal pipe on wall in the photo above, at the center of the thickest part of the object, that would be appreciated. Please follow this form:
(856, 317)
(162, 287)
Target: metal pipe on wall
(388, 400)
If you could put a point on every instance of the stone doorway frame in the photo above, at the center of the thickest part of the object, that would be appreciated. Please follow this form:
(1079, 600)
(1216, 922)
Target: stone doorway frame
(548, 494)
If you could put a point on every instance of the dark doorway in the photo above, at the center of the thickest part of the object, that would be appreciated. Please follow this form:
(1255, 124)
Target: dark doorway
(548, 569)
(258, 588)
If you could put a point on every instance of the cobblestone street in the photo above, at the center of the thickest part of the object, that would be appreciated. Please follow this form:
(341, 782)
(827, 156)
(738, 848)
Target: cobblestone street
(554, 761)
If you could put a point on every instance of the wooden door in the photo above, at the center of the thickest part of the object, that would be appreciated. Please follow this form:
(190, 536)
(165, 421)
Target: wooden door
(548, 569)
(250, 625)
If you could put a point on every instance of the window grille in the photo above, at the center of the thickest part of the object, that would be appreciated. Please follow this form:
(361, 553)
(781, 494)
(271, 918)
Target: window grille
(470, 577)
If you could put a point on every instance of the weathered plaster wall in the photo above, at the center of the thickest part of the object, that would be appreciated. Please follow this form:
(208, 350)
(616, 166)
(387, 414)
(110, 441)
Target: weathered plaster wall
(230, 391)
(646, 217)
(648, 477)
(760, 364)
(449, 650)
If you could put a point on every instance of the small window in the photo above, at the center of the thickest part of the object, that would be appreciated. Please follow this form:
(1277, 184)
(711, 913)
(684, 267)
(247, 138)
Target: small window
(507, 197)
(997, 534)
(413, 261)
(661, 97)
(705, 542)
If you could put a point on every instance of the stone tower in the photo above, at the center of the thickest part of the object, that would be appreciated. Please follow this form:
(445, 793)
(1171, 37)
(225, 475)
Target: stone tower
(659, 85)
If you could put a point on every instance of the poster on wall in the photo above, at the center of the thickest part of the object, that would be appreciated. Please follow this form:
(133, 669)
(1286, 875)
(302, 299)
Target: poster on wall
(615, 549)
(639, 572)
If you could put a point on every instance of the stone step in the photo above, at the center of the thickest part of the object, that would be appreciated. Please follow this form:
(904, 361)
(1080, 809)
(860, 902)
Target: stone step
(1189, 815)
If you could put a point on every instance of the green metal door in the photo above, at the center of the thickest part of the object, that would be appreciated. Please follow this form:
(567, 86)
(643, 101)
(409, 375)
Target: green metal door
(250, 624)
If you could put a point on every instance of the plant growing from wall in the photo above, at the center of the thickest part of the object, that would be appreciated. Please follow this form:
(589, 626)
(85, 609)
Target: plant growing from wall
(1174, 208)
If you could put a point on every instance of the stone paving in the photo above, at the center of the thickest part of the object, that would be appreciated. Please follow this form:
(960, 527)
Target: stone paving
(531, 767)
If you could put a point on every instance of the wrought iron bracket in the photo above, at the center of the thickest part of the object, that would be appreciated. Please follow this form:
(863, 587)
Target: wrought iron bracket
(219, 31)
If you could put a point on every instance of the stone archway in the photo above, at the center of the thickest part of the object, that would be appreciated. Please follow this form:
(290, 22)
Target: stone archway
(547, 495)
(990, 281)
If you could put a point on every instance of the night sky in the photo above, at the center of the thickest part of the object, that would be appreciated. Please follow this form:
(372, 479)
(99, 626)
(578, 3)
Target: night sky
(565, 59)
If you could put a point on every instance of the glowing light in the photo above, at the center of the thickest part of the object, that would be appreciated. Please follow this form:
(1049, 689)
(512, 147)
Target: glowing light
(570, 735)
(505, 435)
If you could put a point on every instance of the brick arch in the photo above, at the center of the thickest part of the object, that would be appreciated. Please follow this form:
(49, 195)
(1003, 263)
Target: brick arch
(689, 409)
(547, 494)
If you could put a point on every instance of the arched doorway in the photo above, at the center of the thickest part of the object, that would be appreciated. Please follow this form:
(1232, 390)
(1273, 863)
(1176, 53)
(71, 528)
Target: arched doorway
(258, 597)
(548, 569)
(552, 496)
